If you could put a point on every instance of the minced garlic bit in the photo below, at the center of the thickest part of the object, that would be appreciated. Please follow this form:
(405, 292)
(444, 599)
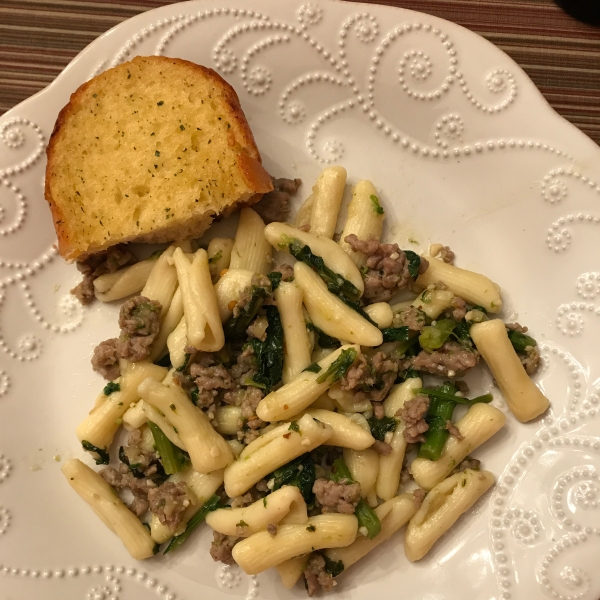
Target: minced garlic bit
(435, 249)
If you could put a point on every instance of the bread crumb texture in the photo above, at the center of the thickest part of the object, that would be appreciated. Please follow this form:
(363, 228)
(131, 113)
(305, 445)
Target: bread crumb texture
(149, 151)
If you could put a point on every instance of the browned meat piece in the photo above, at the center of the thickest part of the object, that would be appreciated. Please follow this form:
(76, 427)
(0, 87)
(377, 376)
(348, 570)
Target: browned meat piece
(272, 529)
(210, 379)
(387, 268)
(467, 463)
(371, 377)
(450, 360)
(453, 430)
(517, 327)
(317, 578)
(355, 374)
(244, 368)
(252, 396)
(241, 501)
(221, 547)
(139, 320)
(247, 436)
(410, 317)
(459, 308)
(382, 448)
(168, 502)
(92, 267)
(419, 496)
(531, 359)
(413, 413)
(105, 359)
(287, 272)
(275, 205)
(336, 497)
(378, 410)
(306, 229)
(140, 316)
(123, 479)
(447, 255)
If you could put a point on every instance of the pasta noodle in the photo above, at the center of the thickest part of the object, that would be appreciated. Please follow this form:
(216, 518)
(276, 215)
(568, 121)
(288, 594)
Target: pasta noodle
(124, 282)
(202, 486)
(171, 321)
(330, 314)
(251, 519)
(433, 302)
(364, 467)
(381, 313)
(478, 425)
(326, 201)
(346, 432)
(393, 514)
(291, 570)
(472, 287)
(219, 255)
(201, 312)
(262, 551)
(442, 507)
(523, 397)
(263, 456)
(100, 426)
(228, 290)
(365, 220)
(110, 508)
(296, 343)
(281, 235)
(140, 413)
(251, 250)
(207, 449)
(292, 398)
(390, 466)
(162, 281)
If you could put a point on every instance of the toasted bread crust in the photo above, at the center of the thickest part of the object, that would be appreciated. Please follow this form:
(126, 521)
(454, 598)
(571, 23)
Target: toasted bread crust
(249, 160)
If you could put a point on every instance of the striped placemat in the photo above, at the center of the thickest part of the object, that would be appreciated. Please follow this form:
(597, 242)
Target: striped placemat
(38, 38)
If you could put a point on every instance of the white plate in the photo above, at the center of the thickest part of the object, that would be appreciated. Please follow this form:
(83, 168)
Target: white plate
(465, 151)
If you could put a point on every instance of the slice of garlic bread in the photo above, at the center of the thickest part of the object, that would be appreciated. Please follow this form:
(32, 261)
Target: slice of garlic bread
(150, 151)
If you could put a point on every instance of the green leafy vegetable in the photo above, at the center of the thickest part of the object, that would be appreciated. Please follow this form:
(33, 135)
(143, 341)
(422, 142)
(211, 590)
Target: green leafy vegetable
(295, 427)
(408, 374)
(103, 457)
(111, 387)
(236, 326)
(324, 340)
(216, 257)
(414, 262)
(376, 206)
(441, 409)
(299, 472)
(165, 361)
(336, 284)
(379, 427)
(173, 459)
(462, 331)
(395, 334)
(311, 528)
(314, 368)
(213, 503)
(443, 395)
(366, 516)
(339, 367)
(275, 278)
(156, 254)
(269, 354)
(333, 567)
(194, 395)
(434, 336)
(186, 360)
(519, 340)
